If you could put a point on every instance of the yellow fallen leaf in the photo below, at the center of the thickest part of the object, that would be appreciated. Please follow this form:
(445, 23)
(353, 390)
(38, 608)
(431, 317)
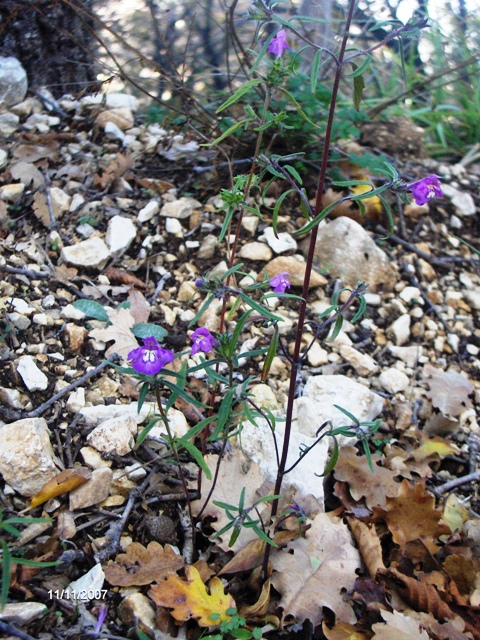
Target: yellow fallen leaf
(62, 483)
(190, 599)
(432, 446)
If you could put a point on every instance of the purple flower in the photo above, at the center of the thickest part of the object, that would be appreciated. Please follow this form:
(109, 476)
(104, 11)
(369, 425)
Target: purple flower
(278, 44)
(101, 618)
(150, 358)
(199, 282)
(425, 189)
(202, 341)
(280, 282)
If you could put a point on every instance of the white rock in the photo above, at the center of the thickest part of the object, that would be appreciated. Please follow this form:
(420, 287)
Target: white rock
(255, 251)
(329, 390)
(408, 355)
(113, 132)
(363, 364)
(181, 208)
(136, 607)
(399, 330)
(472, 296)
(177, 423)
(461, 200)
(3, 158)
(207, 248)
(257, 443)
(19, 321)
(21, 306)
(22, 612)
(88, 584)
(77, 200)
(96, 490)
(11, 192)
(179, 149)
(26, 455)
(174, 226)
(373, 299)
(317, 355)
(71, 313)
(348, 252)
(76, 400)
(264, 397)
(88, 253)
(454, 341)
(250, 223)
(121, 232)
(393, 380)
(13, 82)
(33, 378)
(93, 458)
(115, 435)
(121, 101)
(283, 243)
(149, 211)
(98, 414)
(12, 398)
(409, 294)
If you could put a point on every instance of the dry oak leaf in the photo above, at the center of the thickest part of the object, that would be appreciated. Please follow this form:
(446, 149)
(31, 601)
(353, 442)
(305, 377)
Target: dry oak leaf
(449, 390)
(140, 565)
(412, 515)
(190, 599)
(343, 631)
(368, 544)
(315, 571)
(116, 169)
(119, 331)
(123, 277)
(398, 627)
(450, 630)
(63, 482)
(374, 485)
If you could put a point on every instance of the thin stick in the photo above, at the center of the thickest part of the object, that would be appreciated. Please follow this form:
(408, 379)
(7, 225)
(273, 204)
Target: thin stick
(7, 627)
(458, 482)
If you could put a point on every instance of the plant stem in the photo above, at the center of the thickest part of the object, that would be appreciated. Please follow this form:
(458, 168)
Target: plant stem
(308, 270)
(177, 459)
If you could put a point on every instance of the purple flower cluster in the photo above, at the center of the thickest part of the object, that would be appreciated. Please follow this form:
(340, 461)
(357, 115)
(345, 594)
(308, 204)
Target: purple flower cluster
(202, 340)
(278, 44)
(425, 189)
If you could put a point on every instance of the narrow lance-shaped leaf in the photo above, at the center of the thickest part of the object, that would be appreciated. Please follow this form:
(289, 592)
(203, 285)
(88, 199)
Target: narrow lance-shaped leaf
(272, 351)
(298, 107)
(197, 454)
(315, 68)
(239, 93)
(276, 210)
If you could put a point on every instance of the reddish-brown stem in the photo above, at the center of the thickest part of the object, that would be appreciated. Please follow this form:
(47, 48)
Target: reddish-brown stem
(306, 283)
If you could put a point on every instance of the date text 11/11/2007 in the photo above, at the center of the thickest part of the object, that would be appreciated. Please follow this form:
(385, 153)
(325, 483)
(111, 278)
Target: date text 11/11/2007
(83, 594)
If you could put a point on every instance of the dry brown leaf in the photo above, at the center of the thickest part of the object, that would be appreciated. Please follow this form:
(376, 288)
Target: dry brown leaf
(449, 390)
(368, 543)
(190, 599)
(343, 631)
(63, 482)
(356, 508)
(236, 472)
(33, 152)
(116, 169)
(140, 565)
(65, 274)
(257, 612)
(246, 559)
(374, 485)
(155, 184)
(139, 307)
(463, 571)
(315, 571)
(412, 515)
(27, 173)
(398, 627)
(123, 277)
(119, 331)
(450, 630)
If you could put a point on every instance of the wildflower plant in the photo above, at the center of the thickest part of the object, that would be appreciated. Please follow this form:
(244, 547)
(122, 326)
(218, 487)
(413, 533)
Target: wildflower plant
(218, 355)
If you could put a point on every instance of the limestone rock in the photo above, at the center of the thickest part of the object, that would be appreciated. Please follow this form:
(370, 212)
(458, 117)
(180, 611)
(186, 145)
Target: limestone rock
(26, 455)
(393, 380)
(137, 608)
(363, 364)
(461, 200)
(89, 253)
(329, 390)
(22, 612)
(177, 423)
(121, 101)
(92, 492)
(399, 331)
(283, 243)
(149, 211)
(263, 396)
(115, 435)
(408, 355)
(207, 248)
(255, 251)
(33, 378)
(13, 82)
(8, 123)
(121, 232)
(346, 251)
(121, 117)
(3, 158)
(181, 208)
(295, 270)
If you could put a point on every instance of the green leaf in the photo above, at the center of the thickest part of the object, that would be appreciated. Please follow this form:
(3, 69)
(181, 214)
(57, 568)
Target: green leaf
(294, 173)
(361, 310)
(201, 311)
(197, 454)
(276, 210)
(238, 94)
(11, 530)
(146, 330)
(258, 307)
(224, 412)
(271, 353)
(323, 214)
(92, 309)
(333, 460)
(143, 636)
(142, 395)
(315, 68)
(301, 113)
(6, 568)
(348, 414)
(336, 329)
(358, 87)
(261, 534)
(242, 634)
(257, 633)
(228, 132)
(391, 222)
(226, 223)
(146, 430)
(358, 70)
